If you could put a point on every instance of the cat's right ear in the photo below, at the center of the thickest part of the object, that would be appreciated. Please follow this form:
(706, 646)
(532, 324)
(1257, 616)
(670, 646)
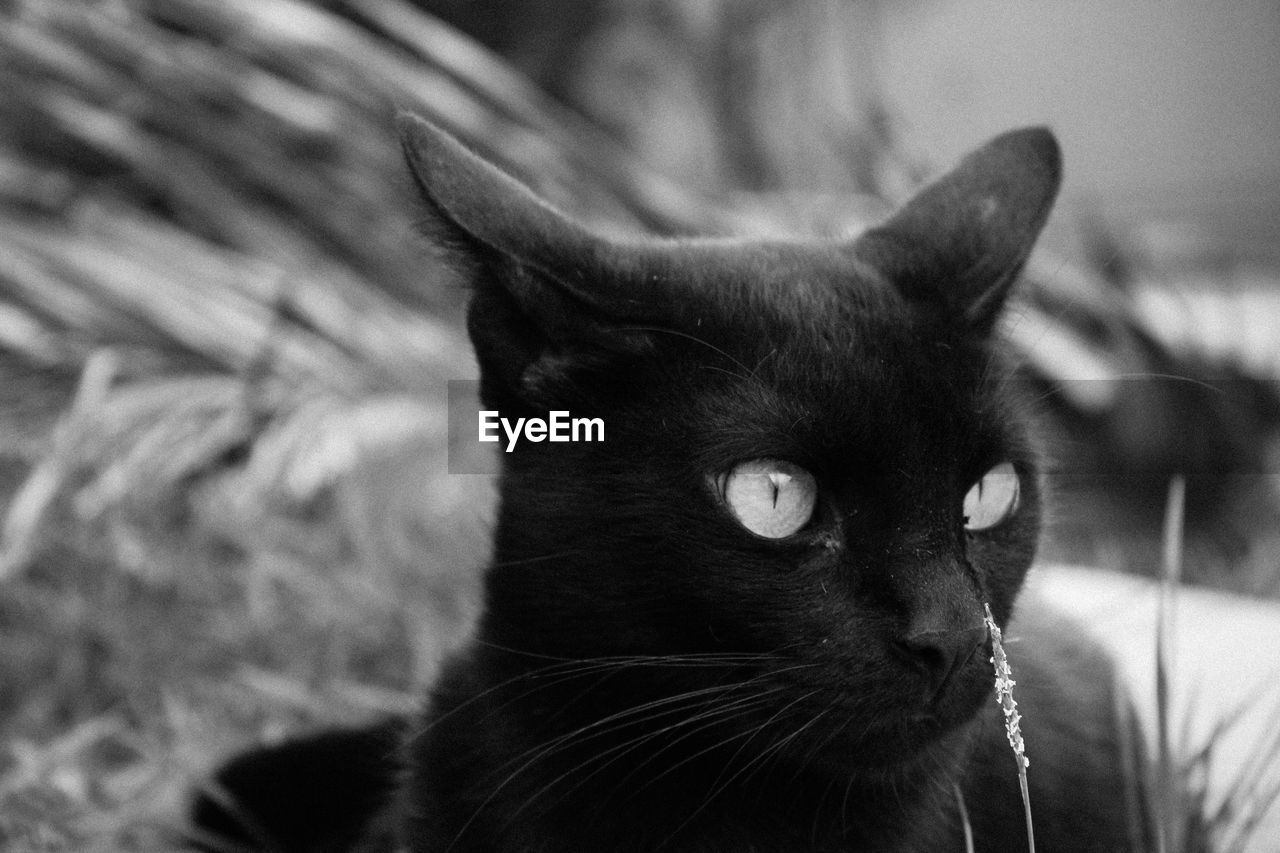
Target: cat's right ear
(549, 297)
(961, 242)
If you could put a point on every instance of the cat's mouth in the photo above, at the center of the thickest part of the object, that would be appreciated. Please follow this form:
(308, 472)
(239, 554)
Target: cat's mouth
(856, 733)
(961, 686)
(893, 742)
(903, 737)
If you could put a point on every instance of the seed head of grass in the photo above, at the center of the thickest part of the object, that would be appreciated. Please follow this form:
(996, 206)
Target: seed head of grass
(1012, 719)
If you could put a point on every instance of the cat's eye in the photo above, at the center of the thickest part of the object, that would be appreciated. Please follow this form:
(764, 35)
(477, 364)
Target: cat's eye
(993, 499)
(769, 497)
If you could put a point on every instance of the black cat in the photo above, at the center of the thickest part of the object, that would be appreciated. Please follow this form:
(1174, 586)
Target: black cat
(752, 618)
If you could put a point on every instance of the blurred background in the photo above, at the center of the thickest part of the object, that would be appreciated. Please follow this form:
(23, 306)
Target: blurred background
(225, 514)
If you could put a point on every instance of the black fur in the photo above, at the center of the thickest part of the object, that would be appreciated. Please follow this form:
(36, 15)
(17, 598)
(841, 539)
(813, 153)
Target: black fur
(321, 795)
(649, 675)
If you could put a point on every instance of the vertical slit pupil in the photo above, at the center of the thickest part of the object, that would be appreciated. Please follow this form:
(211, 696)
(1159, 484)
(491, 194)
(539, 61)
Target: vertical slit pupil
(777, 479)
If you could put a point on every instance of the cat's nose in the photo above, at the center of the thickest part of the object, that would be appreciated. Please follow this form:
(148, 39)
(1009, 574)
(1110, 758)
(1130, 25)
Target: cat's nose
(938, 653)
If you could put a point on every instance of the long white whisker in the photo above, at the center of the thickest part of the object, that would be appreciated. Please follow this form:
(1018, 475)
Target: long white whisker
(597, 728)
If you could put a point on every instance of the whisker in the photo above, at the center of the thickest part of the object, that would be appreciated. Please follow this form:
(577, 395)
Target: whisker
(707, 719)
(653, 657)
(772, 752)
(817, 811)
(549, 747)
(525, 561)
(563, 669)
(756, 760)
(573, 667)
(746, 371)
(1173, 377)
(673, 744)
(824, 742)
(776, 715)
(698, 754)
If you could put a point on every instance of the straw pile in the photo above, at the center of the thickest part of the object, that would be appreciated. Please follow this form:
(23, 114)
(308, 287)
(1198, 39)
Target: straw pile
(212, 189)
(222, 362)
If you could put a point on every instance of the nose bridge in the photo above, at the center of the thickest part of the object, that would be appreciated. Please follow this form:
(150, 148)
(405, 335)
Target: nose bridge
(938, 593)
(942, 622)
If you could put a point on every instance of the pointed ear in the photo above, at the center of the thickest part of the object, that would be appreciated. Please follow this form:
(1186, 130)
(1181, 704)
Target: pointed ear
(549, 297)
(961, 242)
(480, 208)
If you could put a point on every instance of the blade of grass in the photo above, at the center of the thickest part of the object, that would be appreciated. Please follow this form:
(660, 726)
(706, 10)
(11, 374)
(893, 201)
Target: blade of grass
(964, 819)
(1168, 830)
(1128, 736)
(21, 524)
(1251, 796)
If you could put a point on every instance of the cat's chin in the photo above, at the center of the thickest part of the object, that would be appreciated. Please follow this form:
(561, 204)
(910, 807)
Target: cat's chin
(910, 735)
(914, 740)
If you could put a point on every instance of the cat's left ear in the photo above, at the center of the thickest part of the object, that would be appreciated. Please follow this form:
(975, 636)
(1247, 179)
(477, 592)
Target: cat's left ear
(961, 242)
(550, 298)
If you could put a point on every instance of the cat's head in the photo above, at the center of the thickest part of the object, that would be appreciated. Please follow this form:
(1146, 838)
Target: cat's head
(811, 453)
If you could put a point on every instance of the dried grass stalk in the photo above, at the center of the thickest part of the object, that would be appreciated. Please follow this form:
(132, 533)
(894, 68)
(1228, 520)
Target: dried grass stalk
(1012, 719)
